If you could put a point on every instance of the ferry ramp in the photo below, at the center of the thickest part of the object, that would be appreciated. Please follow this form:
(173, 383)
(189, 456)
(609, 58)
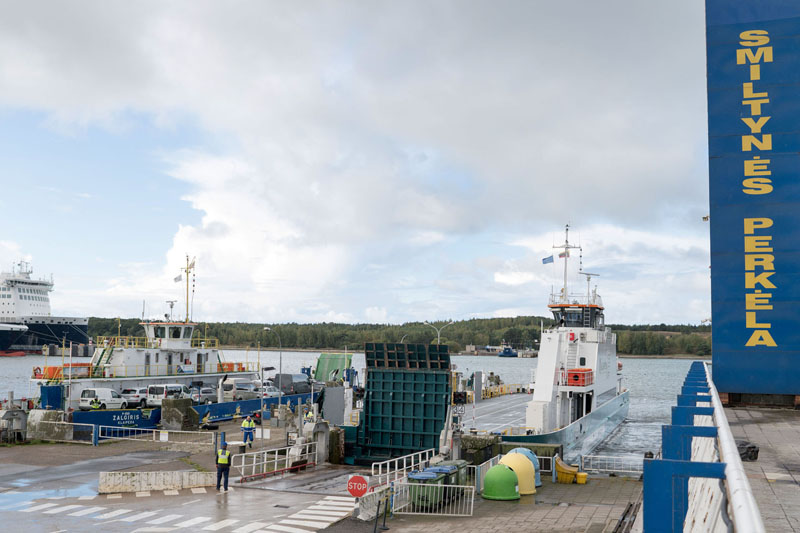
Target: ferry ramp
(497, 414)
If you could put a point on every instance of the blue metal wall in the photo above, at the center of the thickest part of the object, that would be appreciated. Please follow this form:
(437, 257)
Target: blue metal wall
(147, 418)
(228, 410)
(753, 53)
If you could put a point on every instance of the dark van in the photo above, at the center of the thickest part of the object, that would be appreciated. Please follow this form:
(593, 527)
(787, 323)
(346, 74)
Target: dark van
(292, 383)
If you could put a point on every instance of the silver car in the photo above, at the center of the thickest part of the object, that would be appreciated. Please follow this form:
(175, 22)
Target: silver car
(271, 392)
(135, 397)
(204, 395)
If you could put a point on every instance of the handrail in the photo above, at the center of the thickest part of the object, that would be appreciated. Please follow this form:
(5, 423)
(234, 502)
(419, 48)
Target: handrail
(110, 370)
(746, 515)
(127, 341)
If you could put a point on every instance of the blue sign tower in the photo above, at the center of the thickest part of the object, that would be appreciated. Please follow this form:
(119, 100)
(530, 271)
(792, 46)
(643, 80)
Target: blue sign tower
(753, 53)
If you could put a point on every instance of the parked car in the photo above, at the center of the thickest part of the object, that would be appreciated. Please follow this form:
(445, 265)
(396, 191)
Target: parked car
(292, 383)
(108, 398)
(237, 391)
(173, 391)
(204, 395)
(135, 397)
(271, 392)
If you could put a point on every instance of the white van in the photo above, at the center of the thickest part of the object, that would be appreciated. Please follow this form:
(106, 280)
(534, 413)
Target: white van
(108, 398)
(235, 389)
(172, 391)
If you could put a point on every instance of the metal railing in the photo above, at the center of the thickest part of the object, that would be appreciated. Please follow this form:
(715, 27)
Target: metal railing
(741, 501)
(254, 465)
(203, 438)
(432, 499)
(607, 464)
(61, 432)
(399, 467)
(481, 469)
(492, 391)
(59, 373)
(125, 341)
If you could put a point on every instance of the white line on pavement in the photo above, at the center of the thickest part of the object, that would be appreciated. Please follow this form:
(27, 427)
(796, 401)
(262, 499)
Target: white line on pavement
(249, 528)
(220, 525)
(87, 497)
(62, 509)
(112, 514)
(193, 521)
(138, 516)
(341, 498)
(326, 513)
(287, 529)
(38, 507)
(89, 510)
(306, 523)
(165, 519)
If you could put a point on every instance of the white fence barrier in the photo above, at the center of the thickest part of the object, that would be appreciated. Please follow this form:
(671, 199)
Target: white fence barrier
(398, 468)
(481, 469)
(607, 464)
(143, 481)
(156, 435)
(433, 500)
(259, 464)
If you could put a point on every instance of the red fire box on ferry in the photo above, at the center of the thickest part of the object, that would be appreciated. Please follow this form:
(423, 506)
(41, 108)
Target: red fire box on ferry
(580, 377)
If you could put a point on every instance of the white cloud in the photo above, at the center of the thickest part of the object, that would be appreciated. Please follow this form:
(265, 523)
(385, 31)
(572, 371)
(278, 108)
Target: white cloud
(399, 135)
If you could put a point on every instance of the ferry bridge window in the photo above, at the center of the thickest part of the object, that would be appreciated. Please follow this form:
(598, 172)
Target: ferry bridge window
(175, 333)
(160, 332)
(187, 333)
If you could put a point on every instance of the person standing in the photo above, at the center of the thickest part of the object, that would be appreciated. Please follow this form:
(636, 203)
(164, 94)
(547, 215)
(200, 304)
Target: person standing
(248, 429)
(223, 465)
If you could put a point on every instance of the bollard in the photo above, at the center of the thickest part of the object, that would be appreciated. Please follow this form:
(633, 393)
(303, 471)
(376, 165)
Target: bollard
(385, 512)
(95, 435)
(377, 515)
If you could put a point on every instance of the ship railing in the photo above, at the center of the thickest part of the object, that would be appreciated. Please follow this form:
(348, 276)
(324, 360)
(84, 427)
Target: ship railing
(576, 299)
(576, 377)
(256, 465)
(608, 464)
(700, 483)
(493, 391)
(125, 341)
(62, 373)
(205, 342)
(399, 467)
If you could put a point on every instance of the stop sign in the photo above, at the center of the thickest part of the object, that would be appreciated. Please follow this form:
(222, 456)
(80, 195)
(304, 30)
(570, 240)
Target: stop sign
(357, 485)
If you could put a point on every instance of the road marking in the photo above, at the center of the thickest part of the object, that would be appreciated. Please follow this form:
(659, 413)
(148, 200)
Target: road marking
(337, 504)
(220, 525)
(307, 523)
(114, 496)
(193, 501)
(341, 498)
(112, 514)
(152, 530)
(326, 508)
(89, 510)
(62, 509)
(287, 529)
(170, 493)
(249, 528)
(139, 516)
(143, 493)
(192, 522)
(18, 504)
(199, 490)
(88, 497)
(56, 497)
(38, 507)
(326, 513)
(165, 519)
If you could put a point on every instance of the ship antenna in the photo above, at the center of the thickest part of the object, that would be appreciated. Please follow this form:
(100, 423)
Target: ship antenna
(171, 304)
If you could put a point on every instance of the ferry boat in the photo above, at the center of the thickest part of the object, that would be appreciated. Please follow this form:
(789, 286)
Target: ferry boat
(25, 319)
(168, 353)
(506, 350)
(578, 397)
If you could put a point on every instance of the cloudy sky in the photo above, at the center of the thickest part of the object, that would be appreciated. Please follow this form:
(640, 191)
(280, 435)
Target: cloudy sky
(355, 161)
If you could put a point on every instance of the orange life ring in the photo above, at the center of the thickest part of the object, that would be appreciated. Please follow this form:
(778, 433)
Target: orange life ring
(37, 372)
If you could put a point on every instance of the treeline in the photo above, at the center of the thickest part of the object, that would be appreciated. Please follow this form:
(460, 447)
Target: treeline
(520, 332)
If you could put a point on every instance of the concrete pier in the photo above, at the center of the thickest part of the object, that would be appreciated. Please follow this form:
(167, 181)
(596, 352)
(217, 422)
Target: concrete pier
(775, 476)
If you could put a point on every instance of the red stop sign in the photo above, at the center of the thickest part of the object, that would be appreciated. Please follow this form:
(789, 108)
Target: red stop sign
(357, 485)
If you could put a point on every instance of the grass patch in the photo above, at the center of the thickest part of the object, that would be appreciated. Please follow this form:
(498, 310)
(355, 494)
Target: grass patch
(194, 465)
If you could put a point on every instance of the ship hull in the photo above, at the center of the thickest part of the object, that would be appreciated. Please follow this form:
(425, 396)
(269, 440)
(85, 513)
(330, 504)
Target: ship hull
(51, 330)
(580, 437)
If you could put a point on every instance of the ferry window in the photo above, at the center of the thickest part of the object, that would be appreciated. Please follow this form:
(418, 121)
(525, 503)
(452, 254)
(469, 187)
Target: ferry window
(174, 333)
(160, 332)
(582, 361)
(187, 333)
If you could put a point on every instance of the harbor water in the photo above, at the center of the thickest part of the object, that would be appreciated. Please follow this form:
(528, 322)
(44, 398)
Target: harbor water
(653, 383)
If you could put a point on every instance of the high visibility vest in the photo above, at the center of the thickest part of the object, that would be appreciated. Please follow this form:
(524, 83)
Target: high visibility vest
(248, 425)
(223, 457)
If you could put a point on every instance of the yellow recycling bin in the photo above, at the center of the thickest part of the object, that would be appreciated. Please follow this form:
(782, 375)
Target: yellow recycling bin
(522, 467)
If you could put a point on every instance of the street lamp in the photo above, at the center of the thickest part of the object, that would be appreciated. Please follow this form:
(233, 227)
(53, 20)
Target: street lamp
(438, 330)
(403, 338)
(280, 364)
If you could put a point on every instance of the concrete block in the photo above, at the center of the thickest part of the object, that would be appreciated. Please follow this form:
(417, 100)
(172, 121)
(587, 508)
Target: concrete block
(113, 482)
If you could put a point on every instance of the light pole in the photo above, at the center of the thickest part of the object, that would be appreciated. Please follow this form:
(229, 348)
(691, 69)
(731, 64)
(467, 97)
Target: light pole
(280, 364)
(403, 338)
(438, 330)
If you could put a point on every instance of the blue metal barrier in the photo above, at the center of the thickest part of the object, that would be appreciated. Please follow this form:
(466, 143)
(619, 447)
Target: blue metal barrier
(214, 412)
(666, 480)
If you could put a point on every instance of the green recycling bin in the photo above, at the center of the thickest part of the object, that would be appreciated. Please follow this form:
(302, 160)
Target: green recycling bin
(461, 464)
(500, 483)
(426, 491)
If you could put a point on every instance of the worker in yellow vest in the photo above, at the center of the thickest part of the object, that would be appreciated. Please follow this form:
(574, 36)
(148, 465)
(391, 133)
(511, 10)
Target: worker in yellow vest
(223, 465)
(248, 429)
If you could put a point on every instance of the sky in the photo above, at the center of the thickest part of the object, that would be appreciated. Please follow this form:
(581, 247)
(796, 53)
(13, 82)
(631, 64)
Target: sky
(375, 162)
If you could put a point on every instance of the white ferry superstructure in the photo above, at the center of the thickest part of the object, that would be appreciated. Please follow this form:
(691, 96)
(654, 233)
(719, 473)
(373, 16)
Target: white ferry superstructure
(578, 396)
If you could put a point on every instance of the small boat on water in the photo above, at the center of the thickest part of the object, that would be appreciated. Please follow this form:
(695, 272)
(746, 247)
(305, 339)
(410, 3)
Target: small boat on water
(507, 350)
(7, 353)
(578, 397)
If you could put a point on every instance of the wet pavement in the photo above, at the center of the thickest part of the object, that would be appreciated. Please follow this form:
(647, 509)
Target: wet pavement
(497, 413)
(775, 475)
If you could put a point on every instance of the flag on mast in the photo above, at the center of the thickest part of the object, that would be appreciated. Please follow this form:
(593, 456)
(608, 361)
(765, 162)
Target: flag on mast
(547, 260)
(563, 254)
(191, 265)
(178, 278)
